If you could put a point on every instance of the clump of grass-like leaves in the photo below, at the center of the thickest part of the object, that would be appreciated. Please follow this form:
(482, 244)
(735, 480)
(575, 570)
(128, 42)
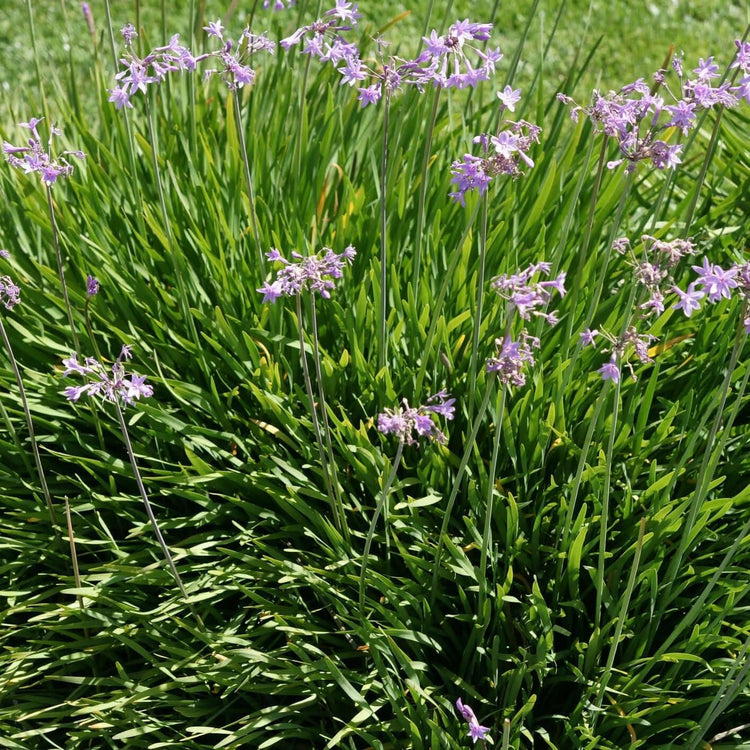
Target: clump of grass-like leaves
(562, 564)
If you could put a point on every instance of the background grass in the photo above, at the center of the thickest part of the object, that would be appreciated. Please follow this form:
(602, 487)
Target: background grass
(227, 451)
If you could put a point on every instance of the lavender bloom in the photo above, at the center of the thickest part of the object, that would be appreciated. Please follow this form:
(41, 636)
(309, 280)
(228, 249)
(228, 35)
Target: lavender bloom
(139, 72)
(610, 370)
(509, 98)
(406, 420)
(689, 301)
(502, 154)
(92, 286)
(447, 60)
(717, 282)
(234, 72)
(116, 385)
(34, 157)
(86, 10)
(313, 272)
(635, 117)
(279, 4)
(322, 38)
(10, 293)
(587, 337)
(476, 730)
(511, 357)
(526, 295)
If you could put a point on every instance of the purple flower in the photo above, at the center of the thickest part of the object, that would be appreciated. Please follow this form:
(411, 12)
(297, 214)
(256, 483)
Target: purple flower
(476, 730)
(114, 385)
(512, 357)
(92, 286)
(509, 98)
(139, 72)
(35, 157)
(10, 293)
(718, 283)
(322, 36)
(406, 420)
(446, 58)
(502, 154)
(635, 117)
(234, 72)
(610, 370)
(690, 300)
(527, 295)
(86, 10)
(587, 337)
(215, 28)
(279, 4)
(313, 272)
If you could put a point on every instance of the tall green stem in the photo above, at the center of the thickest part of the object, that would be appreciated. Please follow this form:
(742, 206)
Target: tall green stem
(371, 531)
(29, 426)
(457, 484)
(327, 428)
(382, 337)
(61, 270)
(423, 192)
(487, 533)
(478, 308)
(150, 512)
(338, 522)
(248, 181)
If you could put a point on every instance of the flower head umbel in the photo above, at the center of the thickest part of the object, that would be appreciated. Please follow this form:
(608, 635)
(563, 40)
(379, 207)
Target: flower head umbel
(234, 72)
(92, 286)
(476, 730)
(140, 72)
(313, 272)
(448, 58)
(525, 295)
(10, 294)
(115, 384)
(637, 115)
(405, 421)
(36, 157)
(323, 38)
(503, 153)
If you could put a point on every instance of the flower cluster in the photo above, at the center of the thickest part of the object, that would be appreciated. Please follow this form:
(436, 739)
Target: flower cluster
(715, 283)
(526, 297)
(502, 154)
(140, 72)
(322, 38)
(654, 273)
(34, 157)
(115, 385)
(620, 346)
(406, 420)
(279, 4)
(446, 57)
(234, 72)
(10, 293)
(636, 115)
(476, 730)
(313, 272)
(92, 286)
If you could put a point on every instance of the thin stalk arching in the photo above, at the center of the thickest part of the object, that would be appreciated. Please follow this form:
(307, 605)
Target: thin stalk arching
(248, 181)
(338, 522)
(478, 308)
(371, 531)
(327, 427)
(29, 426)
(457, 484)
(73, 554)
(447, 278)
(423, 193)
(61, 270)
(487, 532)
(382, 338)
(150, 512)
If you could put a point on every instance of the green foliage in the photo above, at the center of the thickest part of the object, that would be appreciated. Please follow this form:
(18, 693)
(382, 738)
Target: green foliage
(612, 610)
